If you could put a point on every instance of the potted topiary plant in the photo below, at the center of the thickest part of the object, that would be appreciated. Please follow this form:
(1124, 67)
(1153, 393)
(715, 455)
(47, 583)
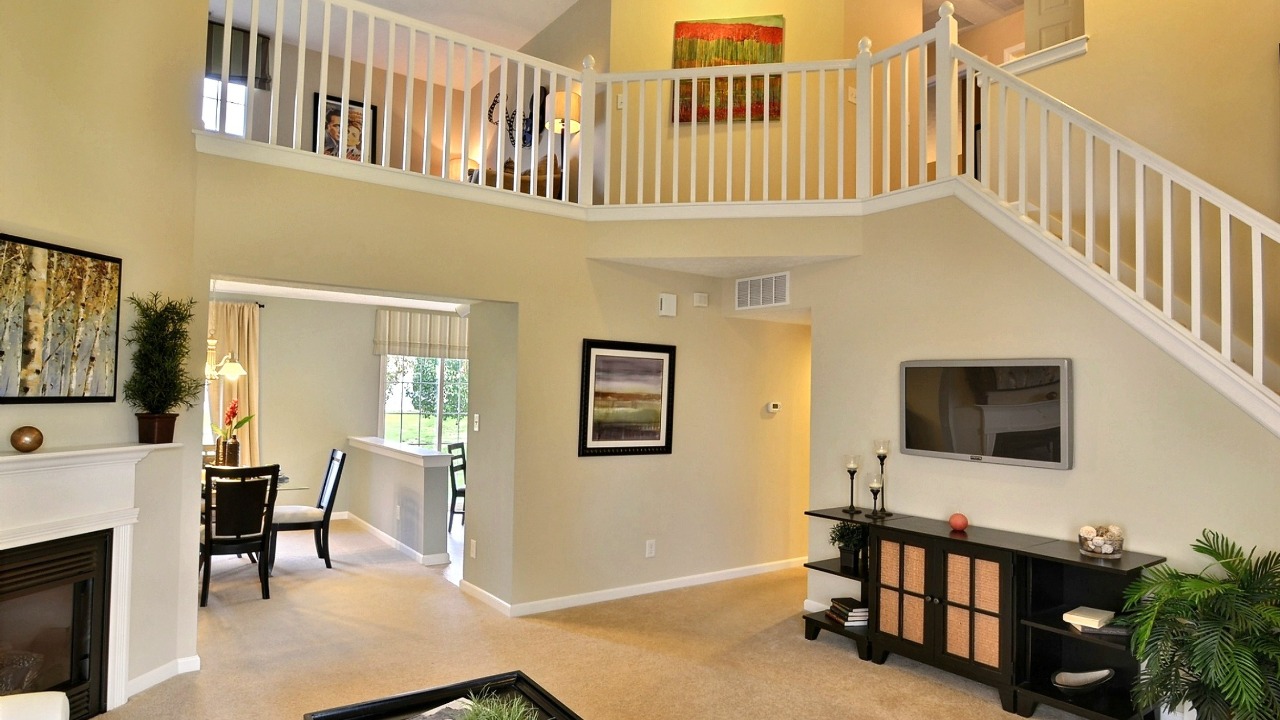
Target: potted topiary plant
(160, 382)
(851, 539)
(1211, 639)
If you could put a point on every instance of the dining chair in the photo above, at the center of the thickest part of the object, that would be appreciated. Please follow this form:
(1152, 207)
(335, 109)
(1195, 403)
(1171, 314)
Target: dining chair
(35, 706)
(315, 518)
(457, 481)
(239, 502)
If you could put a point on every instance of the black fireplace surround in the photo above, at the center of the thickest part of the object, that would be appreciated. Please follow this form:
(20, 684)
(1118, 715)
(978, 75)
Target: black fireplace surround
(53, 619)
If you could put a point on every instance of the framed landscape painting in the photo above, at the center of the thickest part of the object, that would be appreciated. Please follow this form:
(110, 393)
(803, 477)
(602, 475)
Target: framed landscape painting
(627, 398)
(59, 341)
(732, 41)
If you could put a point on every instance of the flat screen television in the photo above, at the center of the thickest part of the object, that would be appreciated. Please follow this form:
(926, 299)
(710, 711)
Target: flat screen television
(1010, 412)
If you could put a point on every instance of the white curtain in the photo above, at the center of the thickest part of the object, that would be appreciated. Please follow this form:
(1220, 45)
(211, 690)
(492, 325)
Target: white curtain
(420, 333)
(235, 327)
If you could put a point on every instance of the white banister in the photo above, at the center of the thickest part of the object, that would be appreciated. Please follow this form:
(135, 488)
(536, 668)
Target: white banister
(587, 136)
(681, 141)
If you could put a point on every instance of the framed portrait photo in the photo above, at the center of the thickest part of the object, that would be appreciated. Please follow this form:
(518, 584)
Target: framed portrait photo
(354, 137)
(60, 331)
(627, 398)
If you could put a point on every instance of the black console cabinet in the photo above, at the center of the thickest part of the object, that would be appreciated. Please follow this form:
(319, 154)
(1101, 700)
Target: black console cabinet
(987, 604)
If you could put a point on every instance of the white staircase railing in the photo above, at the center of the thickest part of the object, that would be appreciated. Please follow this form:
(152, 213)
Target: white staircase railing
(924, 110)
(1182, 248)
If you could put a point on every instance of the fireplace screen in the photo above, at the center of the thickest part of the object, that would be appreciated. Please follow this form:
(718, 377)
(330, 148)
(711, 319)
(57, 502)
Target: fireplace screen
(53, 603)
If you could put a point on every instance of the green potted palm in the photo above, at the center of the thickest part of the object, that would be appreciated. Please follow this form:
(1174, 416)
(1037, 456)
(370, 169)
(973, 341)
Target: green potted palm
(160, 383)
(850, 538)
(1211, 639)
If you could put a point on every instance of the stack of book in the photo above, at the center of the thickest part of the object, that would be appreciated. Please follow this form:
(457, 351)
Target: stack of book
(847, 612)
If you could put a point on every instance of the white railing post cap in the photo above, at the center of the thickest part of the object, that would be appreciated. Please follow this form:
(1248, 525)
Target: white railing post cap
(864, 45)
(946, 10)
(589, 62)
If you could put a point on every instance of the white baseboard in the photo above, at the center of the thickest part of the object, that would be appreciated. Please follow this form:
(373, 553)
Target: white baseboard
(814, 606)
(568, 601)
(436, 559)
(485, 597)
(170, 669)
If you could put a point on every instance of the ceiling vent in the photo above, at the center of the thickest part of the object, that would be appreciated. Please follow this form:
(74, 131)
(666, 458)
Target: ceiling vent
(763, 291)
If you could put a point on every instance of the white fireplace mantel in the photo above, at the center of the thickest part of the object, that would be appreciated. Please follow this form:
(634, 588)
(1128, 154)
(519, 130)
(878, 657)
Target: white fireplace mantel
(56, 493)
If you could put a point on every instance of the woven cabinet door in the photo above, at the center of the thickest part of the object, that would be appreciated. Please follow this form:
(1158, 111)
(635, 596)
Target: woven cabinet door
(901, 583)
(975, 623)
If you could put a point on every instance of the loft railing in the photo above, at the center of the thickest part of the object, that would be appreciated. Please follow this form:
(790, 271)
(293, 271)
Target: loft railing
(918, 112)
(409, 96)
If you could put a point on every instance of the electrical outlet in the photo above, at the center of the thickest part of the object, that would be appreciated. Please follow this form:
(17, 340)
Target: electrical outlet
(650, 548)
(397, 511)
(473, 548)
(475, 423)
(853, 95)
(621, 102)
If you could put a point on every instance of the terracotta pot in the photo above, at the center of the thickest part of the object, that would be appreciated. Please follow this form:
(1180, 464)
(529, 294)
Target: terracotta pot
(156, 427)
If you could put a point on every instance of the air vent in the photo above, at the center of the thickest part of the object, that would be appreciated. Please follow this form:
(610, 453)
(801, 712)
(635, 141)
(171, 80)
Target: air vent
(763, 291)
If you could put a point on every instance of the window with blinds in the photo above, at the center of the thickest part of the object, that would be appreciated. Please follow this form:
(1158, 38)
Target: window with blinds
(425, 364)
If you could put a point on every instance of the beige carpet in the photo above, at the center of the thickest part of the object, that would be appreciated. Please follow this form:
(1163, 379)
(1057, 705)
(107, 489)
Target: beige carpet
(379, 624)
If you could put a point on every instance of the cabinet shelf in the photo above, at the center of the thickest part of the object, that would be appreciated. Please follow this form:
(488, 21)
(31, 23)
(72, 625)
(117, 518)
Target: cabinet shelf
(859, 634)
(1051, 621)
(834, 567)
(1109, 702)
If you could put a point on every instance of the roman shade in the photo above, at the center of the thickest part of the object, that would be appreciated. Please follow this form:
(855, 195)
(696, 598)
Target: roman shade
(420, 333)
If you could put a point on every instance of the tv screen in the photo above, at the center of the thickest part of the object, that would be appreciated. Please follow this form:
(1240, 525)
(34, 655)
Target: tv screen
(1011, 412)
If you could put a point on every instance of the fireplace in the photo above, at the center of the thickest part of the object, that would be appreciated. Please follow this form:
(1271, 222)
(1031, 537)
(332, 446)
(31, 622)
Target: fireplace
(53, 619)
(66, 559)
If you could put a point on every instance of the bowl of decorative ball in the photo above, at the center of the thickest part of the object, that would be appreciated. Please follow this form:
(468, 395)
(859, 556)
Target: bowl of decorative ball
(1101, 541)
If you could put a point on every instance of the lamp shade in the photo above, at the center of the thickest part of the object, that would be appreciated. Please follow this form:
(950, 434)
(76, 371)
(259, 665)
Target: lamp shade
(233, 371)
(557, 117)
(458, 167)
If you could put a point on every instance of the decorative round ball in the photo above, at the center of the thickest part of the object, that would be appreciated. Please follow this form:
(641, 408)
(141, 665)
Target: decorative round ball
(959, 522)
(26, 438)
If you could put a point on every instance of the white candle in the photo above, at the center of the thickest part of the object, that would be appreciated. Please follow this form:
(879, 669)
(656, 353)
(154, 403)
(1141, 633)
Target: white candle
(882, 450)
(875, 485)
(853, 465)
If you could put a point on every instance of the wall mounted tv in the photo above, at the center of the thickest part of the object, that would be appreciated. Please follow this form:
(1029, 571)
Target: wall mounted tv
(1010, 412)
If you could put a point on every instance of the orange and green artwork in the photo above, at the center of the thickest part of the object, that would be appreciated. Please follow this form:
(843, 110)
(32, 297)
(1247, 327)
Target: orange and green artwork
(733, 41)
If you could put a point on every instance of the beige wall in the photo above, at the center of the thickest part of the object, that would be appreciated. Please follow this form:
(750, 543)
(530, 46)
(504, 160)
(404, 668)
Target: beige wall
(1197, 86)
(582, 30)
(991, 40)
(99, 156)
(1156, 450)
(731, 493)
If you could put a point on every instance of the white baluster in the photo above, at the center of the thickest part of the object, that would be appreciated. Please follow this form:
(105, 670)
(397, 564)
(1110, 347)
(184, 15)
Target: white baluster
(862, 120)
(587, 138)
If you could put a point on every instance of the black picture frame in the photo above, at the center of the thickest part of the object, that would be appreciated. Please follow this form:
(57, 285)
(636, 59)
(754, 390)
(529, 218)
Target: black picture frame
(355, 111)
(62, 305)
(628, 398)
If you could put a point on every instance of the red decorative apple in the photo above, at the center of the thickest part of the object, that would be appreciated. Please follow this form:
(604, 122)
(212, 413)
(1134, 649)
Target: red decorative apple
(959, 522)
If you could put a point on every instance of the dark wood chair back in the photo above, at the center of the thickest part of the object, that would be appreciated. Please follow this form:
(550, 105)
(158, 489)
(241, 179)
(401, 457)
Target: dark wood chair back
(457, 466)
(457, 481)
(332, 476)
(239, 506)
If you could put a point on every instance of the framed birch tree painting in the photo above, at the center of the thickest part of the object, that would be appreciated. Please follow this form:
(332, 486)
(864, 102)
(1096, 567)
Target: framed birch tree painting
(60, 337)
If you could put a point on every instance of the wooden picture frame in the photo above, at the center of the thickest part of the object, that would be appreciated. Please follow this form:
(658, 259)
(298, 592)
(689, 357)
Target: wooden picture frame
(60, 326)
(355, 145)
(628, 392)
